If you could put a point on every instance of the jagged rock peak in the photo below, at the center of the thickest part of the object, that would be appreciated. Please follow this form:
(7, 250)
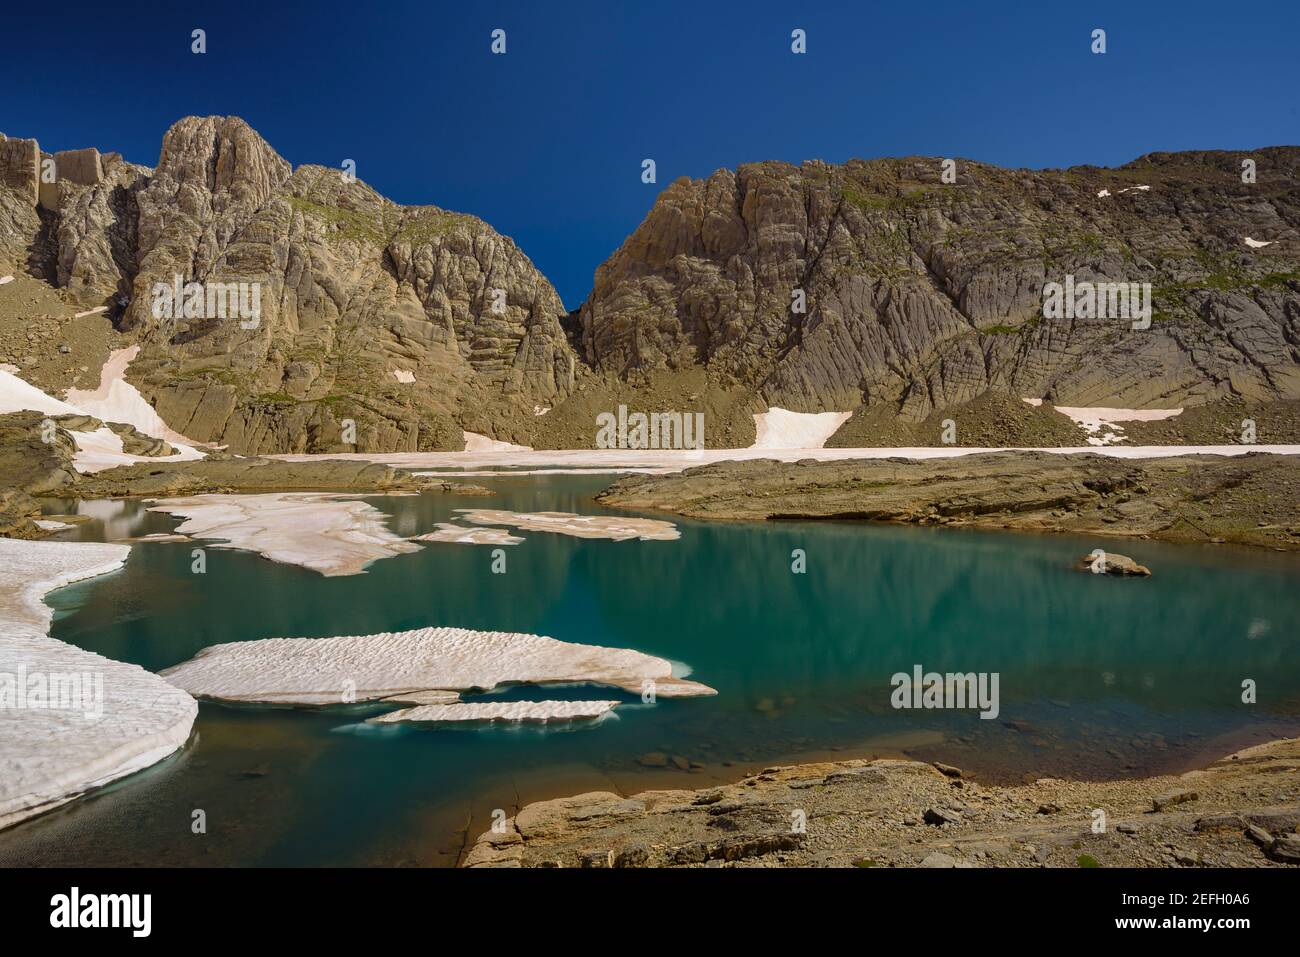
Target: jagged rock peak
(222, 154)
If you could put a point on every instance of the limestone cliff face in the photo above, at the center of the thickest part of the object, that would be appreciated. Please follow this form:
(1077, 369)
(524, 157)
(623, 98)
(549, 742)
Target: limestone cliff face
(416, 322)
(357, 293)
(922, 295)
(412, 322)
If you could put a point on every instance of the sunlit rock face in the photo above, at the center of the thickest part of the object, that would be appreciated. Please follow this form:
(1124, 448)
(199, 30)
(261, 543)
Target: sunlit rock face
(869, 286)
(351, 285)
(827, 287)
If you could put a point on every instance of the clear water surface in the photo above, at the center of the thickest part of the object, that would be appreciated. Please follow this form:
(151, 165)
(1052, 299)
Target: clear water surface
(1099, 677)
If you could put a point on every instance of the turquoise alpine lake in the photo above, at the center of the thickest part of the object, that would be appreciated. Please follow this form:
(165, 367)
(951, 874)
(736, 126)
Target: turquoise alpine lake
(1096, 676)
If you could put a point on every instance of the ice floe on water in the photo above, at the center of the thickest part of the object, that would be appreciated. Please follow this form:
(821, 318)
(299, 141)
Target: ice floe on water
(448, 532)
(424, 697)
(70, 720)
(325, 532)
(529, 711)
(156, 538)
(50, 525)
(619, 528)
(782, 429)
(357, 668)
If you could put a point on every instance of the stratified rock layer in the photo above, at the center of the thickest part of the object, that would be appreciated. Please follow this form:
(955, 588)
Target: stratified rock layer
(411, 322)
(1238, 812)
(921, 295)
(871, 287)
(1251, 499)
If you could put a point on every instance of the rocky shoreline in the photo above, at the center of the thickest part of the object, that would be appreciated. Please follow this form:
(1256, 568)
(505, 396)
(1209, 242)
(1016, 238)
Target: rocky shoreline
(1252, 499)
(32, 469)
(1240, 811)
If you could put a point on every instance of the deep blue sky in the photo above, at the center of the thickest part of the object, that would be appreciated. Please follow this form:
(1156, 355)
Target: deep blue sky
(546, 142)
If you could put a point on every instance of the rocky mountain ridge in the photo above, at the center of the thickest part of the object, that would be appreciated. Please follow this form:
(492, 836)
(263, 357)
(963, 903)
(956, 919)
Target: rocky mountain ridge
(357, 294)
(918, 296)
(922, 295)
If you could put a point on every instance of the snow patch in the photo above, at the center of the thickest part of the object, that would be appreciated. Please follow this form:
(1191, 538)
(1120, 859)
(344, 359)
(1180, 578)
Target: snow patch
(1102, 424)
(782, 429)
(116, 400)
(404, 376)
(1257, 243)
(102, 448)
(474, 442)
(17, 395)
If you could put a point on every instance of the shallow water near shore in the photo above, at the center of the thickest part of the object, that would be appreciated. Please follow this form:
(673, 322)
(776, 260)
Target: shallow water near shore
(1099, 677)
